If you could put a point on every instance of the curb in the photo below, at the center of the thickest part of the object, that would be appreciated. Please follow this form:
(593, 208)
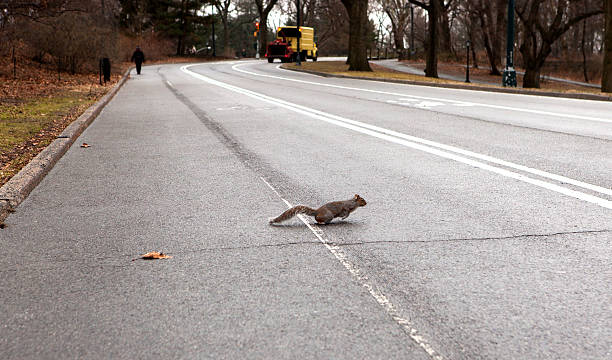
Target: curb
(19, 186)
(466, 87)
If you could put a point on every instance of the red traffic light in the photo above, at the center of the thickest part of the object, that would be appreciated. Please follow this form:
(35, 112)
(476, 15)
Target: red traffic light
(257, 25)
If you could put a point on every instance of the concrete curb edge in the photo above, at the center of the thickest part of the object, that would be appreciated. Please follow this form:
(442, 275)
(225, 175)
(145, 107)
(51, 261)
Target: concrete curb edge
(17, 189)
(466, 87)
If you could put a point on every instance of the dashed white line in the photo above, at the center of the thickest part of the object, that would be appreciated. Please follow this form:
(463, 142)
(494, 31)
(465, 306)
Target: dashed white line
(364, 281)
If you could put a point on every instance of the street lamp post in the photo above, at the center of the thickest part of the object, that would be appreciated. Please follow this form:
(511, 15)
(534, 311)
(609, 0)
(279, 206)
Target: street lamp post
(509, 77)
(467, 68)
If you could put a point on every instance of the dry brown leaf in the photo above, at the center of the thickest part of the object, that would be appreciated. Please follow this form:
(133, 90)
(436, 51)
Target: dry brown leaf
(155, 255)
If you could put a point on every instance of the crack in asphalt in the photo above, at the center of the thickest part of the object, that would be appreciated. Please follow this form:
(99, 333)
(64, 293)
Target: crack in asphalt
(336, 243)
(477, 238)
(130, 257)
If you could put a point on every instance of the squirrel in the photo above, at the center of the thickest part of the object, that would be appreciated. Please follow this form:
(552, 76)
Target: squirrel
(325, 213)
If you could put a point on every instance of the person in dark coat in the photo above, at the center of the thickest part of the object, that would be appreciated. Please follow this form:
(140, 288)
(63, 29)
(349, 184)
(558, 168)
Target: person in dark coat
(138, 58)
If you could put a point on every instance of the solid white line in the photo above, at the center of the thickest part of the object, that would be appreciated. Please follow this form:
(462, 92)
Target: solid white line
(487, 158)
(402, 139)
(499, 107)
(364, 281)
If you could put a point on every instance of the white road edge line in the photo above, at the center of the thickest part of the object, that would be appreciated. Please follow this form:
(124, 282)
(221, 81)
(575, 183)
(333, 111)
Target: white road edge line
(364, 281)
(399, 138)
(501, 107)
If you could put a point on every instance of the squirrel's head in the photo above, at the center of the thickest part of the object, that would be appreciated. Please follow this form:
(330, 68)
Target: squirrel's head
(360, 201)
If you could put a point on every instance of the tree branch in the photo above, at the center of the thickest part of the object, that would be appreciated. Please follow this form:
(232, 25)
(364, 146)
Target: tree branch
(421, 4)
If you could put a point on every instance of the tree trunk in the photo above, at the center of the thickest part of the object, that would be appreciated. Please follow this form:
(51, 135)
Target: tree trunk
(262, 37)
(584, 56)
(606, 78)
(491, 32)
(431, 66)
(445, 45)
(499, 33)
(531, 79)
(474, 58)
(226, 39)
(358, 20)
(398, 41)
(223, 10)
(399, 15)
(490, 56)
(534, 60)
(179, 46)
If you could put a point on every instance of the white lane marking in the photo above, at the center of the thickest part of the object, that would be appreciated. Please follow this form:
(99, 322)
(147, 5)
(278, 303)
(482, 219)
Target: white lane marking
(364, 281)
(483, 157)
(417, 143)
(232, 108)
(425, 104)
(465, 103)
(499, 107)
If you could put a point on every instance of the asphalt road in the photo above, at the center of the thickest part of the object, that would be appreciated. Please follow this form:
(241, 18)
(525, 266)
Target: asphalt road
(487, 233)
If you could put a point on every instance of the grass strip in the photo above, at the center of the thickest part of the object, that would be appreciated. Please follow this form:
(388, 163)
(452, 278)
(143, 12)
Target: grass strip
(27, 127)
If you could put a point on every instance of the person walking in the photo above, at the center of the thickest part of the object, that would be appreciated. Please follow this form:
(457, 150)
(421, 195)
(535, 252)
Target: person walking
(138, 58)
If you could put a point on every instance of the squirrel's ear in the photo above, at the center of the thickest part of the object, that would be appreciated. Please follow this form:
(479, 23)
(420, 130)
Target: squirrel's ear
(356, 196)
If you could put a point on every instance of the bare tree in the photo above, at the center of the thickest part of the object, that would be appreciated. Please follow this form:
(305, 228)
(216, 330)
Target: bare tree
(541, 27)
(492, 21)
(308, 12)
(223, 8)
(399, 14)
(433, 11)
(331, 26)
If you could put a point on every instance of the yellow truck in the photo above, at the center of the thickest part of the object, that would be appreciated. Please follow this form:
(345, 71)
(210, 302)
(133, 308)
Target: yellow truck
(284, 47)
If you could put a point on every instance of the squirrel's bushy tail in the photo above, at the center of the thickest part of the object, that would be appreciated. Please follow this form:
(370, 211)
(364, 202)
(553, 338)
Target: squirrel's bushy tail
(300, 209)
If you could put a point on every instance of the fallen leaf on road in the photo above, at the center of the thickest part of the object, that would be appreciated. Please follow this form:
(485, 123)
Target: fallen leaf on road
(85, 145)
(155, 255)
